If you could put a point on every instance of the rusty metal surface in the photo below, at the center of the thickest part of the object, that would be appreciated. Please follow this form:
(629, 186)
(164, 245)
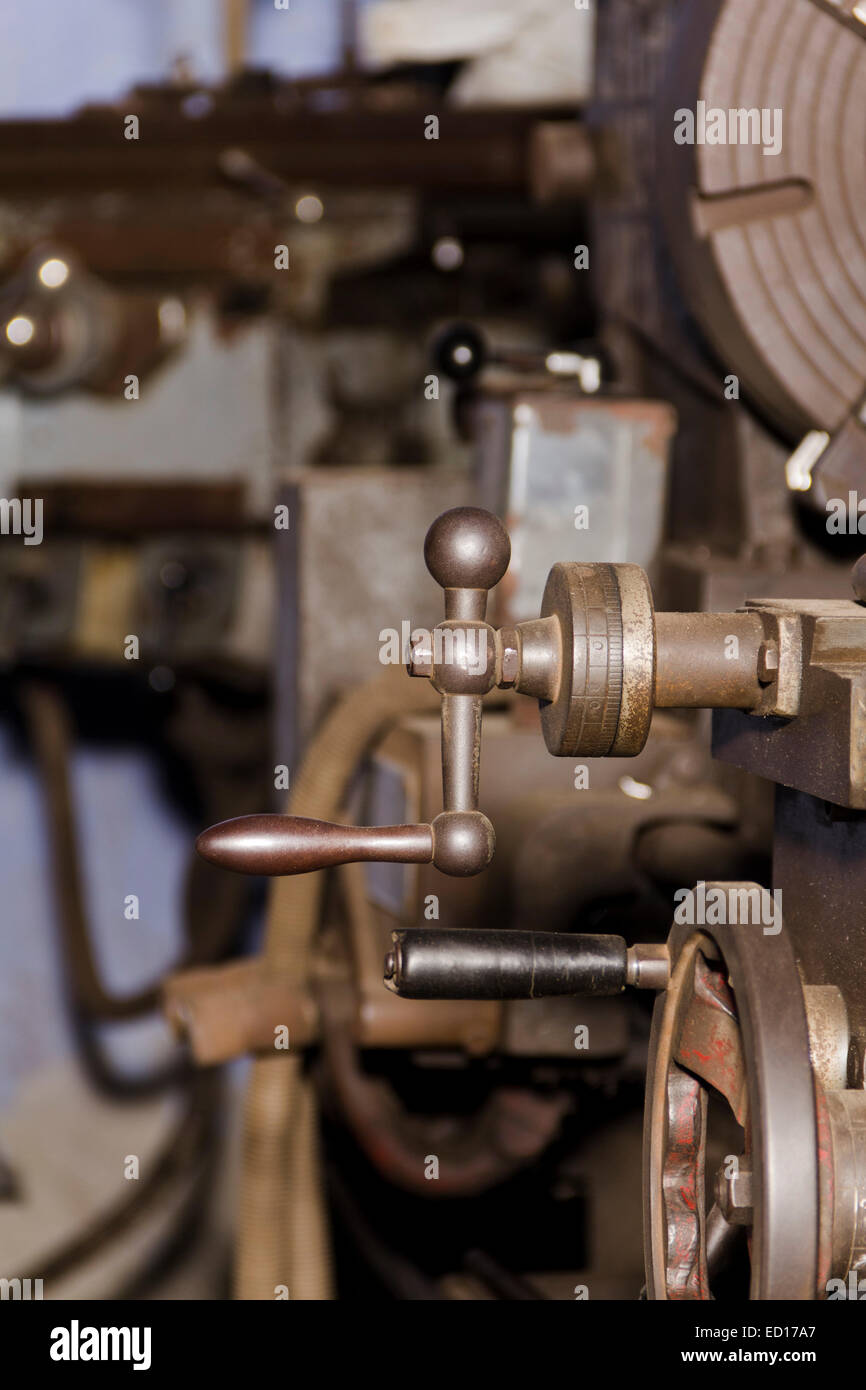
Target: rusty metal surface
(639, 661)
(829, 1035)
(823, 750)
(753, 1049)
(682, 1182)
(698, 665)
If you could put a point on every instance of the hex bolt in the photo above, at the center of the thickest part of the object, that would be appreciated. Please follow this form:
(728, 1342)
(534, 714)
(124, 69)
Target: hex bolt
(734, 1196)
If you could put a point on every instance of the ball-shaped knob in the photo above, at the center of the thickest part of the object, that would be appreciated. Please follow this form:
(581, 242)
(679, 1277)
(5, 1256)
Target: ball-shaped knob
(463, 842)
(858, 579)
(467, 548)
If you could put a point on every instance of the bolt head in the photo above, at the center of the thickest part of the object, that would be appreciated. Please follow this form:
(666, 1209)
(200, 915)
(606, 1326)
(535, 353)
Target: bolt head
(734, 1196)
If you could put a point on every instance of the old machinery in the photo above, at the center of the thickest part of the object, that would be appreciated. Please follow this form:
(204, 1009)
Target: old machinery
(760, 1010)
(599, 660)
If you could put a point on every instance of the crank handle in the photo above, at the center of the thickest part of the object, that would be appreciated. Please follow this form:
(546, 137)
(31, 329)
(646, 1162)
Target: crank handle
(438, 963)
(457, 842)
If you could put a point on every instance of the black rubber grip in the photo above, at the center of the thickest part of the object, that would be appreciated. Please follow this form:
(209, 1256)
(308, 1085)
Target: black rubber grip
(429, 963)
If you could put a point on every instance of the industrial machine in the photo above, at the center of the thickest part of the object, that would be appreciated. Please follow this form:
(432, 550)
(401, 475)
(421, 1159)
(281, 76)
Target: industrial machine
(758, 1003)
(522, 956)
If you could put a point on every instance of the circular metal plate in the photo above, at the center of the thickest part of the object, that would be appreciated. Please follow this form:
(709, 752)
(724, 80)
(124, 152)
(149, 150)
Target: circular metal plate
(770, 248)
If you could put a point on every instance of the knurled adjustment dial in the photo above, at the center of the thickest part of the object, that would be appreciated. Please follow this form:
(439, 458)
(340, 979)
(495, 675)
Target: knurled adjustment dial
(603, 703)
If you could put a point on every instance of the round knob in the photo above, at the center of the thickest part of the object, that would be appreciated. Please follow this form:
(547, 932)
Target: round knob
(467, 548)
(463, 842)
(858, 579)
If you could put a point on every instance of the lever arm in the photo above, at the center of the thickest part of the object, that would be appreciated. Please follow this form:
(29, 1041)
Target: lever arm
(467, 552)
(439, 963)
(277, 845)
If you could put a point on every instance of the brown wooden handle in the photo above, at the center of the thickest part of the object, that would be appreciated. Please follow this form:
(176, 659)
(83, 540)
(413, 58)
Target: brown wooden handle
(277, 845)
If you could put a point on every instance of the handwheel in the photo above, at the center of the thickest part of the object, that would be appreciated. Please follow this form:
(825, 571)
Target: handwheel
(732, 1021)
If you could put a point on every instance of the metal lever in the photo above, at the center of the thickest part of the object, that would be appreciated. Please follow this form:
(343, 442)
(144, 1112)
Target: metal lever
(599, 659)
(438, 963)
(467, 552)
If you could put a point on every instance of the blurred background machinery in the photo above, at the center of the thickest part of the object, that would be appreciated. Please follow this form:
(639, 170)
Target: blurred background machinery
(277, 287)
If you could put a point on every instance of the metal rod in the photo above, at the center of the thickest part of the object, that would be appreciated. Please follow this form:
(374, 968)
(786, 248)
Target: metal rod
(708, 660)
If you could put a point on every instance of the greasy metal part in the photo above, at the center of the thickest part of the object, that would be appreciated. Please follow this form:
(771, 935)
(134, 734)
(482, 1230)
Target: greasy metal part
(782, 656)
(829, 1036)
(648, 966)
(707, 660)
(751, 1043)
(822, 681)
(435, 963)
